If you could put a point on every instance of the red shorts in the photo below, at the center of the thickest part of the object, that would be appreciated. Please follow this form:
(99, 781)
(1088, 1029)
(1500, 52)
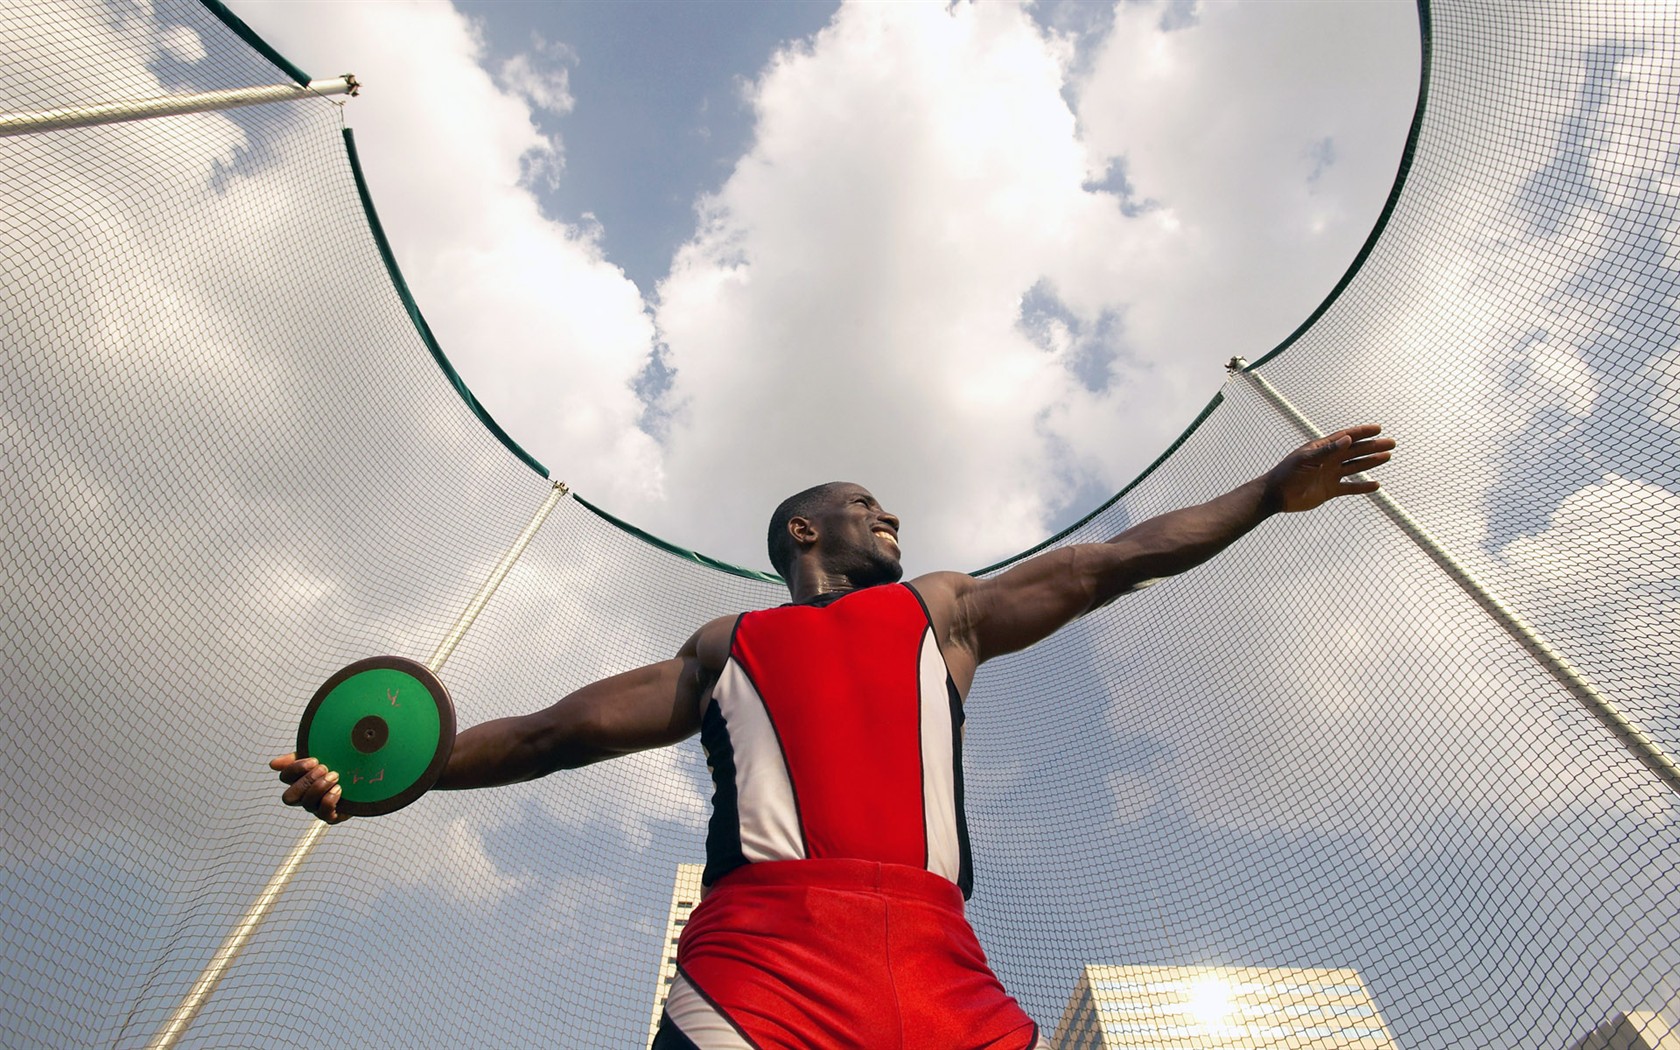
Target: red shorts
(807, 954)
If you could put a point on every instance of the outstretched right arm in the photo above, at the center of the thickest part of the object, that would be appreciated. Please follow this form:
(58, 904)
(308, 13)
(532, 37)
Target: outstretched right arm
(649, 707)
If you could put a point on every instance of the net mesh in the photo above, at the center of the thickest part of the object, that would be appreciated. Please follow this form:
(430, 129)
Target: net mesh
(1315, 752)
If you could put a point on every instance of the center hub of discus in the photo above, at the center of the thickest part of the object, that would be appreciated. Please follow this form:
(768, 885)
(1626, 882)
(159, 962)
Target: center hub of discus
(370, 734)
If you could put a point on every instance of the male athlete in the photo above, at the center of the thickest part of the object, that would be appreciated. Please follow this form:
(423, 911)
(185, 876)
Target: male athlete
(837, 855)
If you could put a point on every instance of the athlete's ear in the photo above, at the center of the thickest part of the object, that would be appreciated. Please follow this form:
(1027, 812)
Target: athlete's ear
(803, 531)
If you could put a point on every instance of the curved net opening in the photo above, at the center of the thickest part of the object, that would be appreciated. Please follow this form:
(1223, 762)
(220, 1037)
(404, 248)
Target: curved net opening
(1308, 791)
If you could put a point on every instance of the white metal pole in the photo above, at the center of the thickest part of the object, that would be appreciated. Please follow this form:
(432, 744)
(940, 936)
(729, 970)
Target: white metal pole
(176, 1026)
(1647, 750)
(171, 105)
(497, 574)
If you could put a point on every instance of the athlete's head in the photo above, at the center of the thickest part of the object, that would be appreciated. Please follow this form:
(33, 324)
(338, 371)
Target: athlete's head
(850, 533)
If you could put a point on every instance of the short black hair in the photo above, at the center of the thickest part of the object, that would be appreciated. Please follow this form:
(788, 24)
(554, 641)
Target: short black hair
(798, 505)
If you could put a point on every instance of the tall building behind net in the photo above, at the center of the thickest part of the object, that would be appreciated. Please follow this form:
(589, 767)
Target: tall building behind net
(685, 896)
(1441, 758)
(1640, 1030)
(1219, 1008)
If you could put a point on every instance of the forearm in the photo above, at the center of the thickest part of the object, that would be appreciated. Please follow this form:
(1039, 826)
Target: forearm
(1180, 540)
(1315, 473)
(1037, 597)
(506, 751)
(1033, 599)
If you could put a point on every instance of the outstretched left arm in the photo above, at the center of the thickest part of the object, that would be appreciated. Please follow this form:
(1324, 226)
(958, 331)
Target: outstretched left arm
(987, 618)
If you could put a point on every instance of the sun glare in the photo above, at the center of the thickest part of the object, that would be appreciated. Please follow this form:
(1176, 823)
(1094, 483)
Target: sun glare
(1208, 1001)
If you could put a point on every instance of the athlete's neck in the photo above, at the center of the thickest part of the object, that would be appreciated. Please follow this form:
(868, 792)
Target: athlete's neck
(813, 581)
(809, 576)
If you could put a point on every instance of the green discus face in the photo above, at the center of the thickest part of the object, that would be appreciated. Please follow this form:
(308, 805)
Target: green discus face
(386, 726)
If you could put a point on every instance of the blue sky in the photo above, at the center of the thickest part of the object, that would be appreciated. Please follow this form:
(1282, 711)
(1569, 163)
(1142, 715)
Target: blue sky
(664, 117)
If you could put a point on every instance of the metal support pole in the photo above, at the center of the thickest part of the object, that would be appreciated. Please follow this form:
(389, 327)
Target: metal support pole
(1648, 751)
(176, 1026)
(497, 574)
(171, 105)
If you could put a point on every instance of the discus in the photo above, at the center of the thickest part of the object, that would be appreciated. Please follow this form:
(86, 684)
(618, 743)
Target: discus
(386, 726)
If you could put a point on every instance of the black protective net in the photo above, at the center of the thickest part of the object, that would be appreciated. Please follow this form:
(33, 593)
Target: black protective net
(1316, 752)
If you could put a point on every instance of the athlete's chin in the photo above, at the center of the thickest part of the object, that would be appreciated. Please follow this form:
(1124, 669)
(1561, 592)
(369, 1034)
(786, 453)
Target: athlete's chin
(885, 572)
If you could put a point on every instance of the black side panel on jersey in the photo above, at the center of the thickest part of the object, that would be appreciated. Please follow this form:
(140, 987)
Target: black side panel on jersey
(723, 834)
(965, 870)
(670, 1037)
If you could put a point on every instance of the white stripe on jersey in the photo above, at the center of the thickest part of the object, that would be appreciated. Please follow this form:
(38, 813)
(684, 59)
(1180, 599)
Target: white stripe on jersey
(764, 801)
(939, 800)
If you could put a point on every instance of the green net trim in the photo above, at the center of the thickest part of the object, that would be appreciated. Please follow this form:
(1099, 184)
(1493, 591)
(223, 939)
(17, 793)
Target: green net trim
(420, 325)
(257, 43)
(1406, 155)
(682, 552)
(1195, 425)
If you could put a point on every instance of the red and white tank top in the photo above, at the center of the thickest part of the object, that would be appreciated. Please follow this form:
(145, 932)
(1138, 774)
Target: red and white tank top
(835, 731)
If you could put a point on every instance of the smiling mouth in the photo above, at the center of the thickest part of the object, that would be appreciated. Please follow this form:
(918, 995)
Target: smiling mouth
(889, 537)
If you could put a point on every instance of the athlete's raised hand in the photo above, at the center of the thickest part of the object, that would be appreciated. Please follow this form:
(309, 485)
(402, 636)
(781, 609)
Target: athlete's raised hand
(1318, 471)
(312, 786)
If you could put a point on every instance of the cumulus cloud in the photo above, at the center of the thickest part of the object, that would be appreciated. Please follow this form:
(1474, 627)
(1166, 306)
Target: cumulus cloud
(933, 275)
(850, 306)
(223, 381)
(866, 296)
(1520, 344)
(183, 44)
(1664, 401)
(546, 332)
(458, 864)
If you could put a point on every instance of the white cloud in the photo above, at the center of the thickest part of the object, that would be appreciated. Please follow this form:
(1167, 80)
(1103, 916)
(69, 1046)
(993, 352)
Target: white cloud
(546, 332)
(873, 264)
(640, 797)
(182, 43)
(457, 863)
(1602, 584)
(1368, 697)
(1558, 377)
(849, 307)
(852, 305)
(539, 80)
